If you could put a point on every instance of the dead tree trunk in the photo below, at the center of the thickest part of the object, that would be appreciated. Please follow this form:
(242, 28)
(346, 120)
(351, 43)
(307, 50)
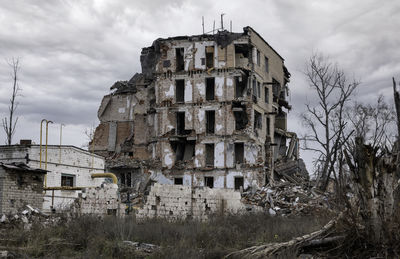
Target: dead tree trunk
(375, 183)
(10, 123)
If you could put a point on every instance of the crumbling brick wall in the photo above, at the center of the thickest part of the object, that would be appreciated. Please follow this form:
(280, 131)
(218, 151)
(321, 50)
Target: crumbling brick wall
(18, 189)
(176, 202)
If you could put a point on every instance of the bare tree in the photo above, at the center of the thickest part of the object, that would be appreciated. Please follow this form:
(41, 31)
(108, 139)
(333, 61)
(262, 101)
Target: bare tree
(9, 123)
(325, 121)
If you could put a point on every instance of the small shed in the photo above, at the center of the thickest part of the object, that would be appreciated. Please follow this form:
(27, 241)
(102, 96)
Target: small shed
(20, 185)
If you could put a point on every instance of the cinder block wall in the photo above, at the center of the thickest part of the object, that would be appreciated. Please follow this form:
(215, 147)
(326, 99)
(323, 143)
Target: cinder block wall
(100, 200)
(175, 202)
(19, 189)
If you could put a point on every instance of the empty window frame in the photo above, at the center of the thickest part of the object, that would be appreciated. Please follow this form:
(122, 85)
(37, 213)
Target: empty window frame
(178, 181)
(257, 120)
(180, 90)
(210, 88)
(266, 95)
(68, 180)
(258, 58)
(239, 153)
(209, 181)
(268, 126)
(180, 63)
(210, 121)
(180, 123)
(209, 155)
(240, 86)
(255, 87)
(239, 183)
(209, 57)
(184, 150)
(258, 89)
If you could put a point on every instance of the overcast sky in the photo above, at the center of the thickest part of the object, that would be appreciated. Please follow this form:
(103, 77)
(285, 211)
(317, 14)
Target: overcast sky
(71, 52)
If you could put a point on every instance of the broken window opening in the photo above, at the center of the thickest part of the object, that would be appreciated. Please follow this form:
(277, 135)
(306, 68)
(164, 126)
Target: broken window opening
(180, 123)
(184, 150)
(180, 90)
(276, 86)
(258, 89)
(210, 121)
(257, 120)
(209, 57)
(209, 181)
(180, 63)
(258, 58)
(178, 181)
(240, 86)
(68, 180)
(122, 179)
(210, 155)
(239, 153)
(266, 95)
(266, 62)
(240, 114)
(241, 55)
(268, 126)
(210, 88)
(239, 183)
(128, 180)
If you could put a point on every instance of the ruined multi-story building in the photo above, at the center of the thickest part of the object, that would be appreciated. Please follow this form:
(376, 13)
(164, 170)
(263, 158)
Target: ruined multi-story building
(207, 110)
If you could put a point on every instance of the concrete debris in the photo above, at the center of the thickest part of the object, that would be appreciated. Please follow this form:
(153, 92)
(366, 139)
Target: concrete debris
(144, 247)
(26, 218)
(285, 198)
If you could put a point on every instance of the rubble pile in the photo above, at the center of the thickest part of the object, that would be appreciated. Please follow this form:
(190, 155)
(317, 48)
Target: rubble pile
(286, 198)
(143, 247)
(26, 218)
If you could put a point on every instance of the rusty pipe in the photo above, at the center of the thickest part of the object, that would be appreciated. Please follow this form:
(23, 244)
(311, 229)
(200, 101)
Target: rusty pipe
(106, 175)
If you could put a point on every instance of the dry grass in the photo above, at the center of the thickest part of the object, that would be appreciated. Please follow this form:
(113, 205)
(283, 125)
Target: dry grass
(92, 237)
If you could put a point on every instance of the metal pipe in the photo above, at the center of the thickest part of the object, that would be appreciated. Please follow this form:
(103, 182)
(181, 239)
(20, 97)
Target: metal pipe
(40, 150)
(61, 125)
(47, 139)
(106, 175)
(93, 151)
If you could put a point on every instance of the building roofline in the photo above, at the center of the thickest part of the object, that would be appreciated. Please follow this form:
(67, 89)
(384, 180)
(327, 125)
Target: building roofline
(276, 52)
(51, 146)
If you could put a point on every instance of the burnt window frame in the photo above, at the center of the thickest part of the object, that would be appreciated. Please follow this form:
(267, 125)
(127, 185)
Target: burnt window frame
(209, 129)
(209, 181)
(181, 66)
(209, 147)
(181, 99)
(240, 160)
(235, 184)
(178, 180)
(208, 85)
(257, 125)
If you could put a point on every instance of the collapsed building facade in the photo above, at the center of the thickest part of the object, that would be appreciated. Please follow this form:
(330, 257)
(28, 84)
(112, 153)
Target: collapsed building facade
(207, 110)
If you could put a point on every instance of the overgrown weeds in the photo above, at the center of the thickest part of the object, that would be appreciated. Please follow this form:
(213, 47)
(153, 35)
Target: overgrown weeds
(94, 237)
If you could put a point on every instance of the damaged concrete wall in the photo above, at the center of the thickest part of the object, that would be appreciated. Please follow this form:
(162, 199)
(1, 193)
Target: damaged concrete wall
(178, 202)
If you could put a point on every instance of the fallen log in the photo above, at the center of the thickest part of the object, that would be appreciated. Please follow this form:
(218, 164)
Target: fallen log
(270, 249)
